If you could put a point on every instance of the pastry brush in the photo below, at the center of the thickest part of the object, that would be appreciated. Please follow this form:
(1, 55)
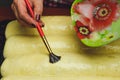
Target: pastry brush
(52, 57)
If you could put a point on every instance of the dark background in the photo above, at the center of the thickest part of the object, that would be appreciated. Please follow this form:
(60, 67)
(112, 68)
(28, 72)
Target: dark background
(5, 2)
(67, 4)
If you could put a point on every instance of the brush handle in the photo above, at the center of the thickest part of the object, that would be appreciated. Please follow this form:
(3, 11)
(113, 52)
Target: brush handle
(32, 15)
(38, 27)
(52, 57)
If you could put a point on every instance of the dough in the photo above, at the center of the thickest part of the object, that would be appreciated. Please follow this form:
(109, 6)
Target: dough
(26, 57)
(60, 25)
(70, 65)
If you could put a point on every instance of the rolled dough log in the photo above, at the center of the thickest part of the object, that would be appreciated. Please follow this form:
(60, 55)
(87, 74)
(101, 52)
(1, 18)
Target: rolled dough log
(26, 57)
(70, 65)
(60, 25)
(25, 45)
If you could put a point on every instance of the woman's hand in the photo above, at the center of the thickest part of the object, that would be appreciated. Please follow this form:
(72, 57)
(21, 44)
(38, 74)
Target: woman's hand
(20, 10)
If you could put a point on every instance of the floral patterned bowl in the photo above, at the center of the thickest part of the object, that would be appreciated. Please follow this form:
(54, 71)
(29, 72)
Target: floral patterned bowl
(97, 22)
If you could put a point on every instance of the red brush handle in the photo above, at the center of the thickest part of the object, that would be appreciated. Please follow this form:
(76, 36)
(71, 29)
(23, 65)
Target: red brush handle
(32, 14)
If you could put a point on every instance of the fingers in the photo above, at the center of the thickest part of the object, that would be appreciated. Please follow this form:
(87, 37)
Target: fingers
(38, 9)
(21, 21)
(23, 15)
(20, 10)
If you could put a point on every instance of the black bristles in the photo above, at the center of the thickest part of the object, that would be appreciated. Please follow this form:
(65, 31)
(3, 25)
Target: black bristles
(54, 58)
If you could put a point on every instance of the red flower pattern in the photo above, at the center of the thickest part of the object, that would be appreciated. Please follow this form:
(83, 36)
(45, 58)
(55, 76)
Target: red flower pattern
(97, 14)
(82, 30)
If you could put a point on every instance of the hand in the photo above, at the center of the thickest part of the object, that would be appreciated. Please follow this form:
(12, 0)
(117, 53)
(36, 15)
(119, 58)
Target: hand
(20, 10)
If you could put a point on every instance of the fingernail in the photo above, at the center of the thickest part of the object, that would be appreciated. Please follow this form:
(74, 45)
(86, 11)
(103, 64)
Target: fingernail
(32, 25)
(37, 17)
(42, 25)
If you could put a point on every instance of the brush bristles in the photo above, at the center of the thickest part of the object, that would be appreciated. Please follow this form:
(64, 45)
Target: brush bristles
(54, 58)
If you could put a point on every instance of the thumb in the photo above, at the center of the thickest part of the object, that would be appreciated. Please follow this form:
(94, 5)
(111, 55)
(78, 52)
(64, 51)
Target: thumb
(38, 9)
